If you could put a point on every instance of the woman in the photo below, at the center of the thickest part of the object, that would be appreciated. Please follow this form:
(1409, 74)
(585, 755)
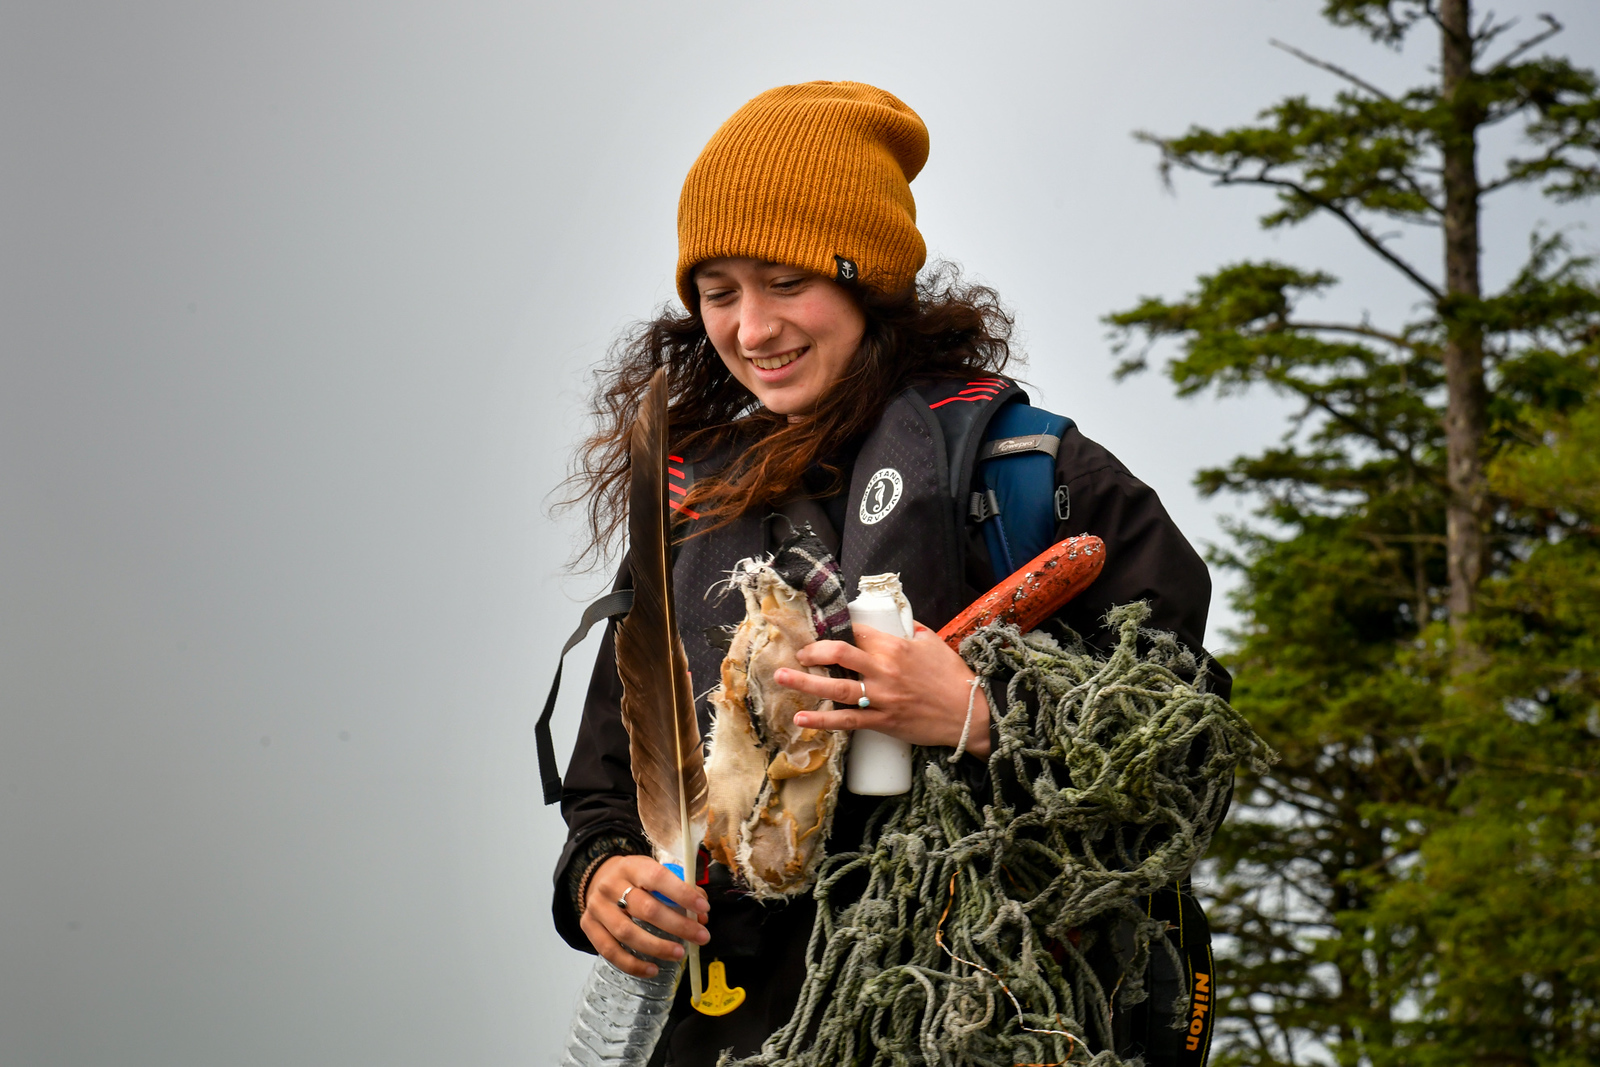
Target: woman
(803, 371)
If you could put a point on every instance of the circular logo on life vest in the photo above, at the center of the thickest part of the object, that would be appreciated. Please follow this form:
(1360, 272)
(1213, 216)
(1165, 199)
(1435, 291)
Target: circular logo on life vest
(883, 493)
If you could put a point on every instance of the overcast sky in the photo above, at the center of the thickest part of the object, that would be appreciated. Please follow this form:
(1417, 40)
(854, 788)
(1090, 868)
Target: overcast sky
(298, 300)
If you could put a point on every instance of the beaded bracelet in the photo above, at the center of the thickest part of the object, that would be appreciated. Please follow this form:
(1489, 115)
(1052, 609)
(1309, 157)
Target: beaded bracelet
(603, 848)
(583, 883)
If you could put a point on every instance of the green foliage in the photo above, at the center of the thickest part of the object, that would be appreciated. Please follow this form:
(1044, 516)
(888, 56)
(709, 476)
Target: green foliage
(1413, 883)
(1499, 908)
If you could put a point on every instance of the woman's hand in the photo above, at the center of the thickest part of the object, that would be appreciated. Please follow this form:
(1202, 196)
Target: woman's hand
(609, 927)
(919, 689)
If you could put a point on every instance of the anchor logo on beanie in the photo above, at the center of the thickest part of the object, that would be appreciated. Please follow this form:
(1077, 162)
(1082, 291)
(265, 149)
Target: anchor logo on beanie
(847, 269)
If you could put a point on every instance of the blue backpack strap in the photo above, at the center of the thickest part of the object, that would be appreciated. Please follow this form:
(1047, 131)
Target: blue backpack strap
(1002, 465)
(1014, 492)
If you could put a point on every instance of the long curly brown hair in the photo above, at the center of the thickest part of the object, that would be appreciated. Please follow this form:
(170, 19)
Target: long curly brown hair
(942, 327)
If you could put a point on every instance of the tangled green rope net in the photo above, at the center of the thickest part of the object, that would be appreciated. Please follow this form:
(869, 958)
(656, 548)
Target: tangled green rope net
(966, 930)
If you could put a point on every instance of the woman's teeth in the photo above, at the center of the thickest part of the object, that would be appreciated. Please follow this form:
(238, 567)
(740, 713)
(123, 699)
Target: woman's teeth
(774, 362)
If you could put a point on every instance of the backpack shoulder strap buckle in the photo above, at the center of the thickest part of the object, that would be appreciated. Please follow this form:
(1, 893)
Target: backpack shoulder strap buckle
(984, 505)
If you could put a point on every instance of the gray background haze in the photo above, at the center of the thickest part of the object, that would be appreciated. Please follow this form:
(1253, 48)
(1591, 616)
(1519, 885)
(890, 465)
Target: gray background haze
(297, 304)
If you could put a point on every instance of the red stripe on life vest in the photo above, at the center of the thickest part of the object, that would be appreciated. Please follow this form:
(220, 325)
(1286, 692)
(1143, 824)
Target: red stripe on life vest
(686, 511)
(674, 471)
(680, 490)
(983, 389)
(676, 459)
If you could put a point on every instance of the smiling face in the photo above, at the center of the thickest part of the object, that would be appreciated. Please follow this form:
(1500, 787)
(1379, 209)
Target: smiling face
(786, 334)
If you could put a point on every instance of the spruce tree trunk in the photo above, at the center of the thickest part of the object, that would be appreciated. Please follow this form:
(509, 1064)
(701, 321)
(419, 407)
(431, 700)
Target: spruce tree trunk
(1466, 516)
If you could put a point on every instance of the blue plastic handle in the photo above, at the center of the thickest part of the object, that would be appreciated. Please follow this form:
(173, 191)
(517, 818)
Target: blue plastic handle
(677, 869)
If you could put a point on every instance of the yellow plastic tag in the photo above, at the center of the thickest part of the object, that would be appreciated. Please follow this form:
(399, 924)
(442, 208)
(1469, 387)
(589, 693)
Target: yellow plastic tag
(718, 999)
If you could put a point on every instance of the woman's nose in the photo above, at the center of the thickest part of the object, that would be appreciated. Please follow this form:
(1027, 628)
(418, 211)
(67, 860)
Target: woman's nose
(756, 326)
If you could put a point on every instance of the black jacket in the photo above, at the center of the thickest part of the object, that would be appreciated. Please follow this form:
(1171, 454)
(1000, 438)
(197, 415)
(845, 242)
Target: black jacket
(1147, 558)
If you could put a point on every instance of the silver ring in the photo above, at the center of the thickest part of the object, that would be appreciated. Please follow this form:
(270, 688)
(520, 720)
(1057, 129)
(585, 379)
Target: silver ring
(622, 901)
(864, 702)
(772, 331)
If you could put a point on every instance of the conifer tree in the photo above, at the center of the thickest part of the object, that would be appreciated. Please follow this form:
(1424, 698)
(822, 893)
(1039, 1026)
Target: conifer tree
(1411, 884)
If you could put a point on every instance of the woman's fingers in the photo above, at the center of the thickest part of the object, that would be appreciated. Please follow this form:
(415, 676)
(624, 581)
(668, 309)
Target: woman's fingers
(838, 690)
(611, 949)
(919, 690)
(877, 661)
(643, 906)
(834, 720)
(623, 942)
(837, 653)
(658, 879)
(612, 930)
(619, 872)
(620, 925)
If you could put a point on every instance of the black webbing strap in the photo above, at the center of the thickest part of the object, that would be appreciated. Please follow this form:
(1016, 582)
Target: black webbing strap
(614, 603)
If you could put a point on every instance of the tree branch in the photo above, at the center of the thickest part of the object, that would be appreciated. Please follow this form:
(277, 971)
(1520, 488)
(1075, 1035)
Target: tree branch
(1553, 157)
(1487, 31)
(1552, 27)
(1423, 195)
(1417, 539)
(1433, 16)
(1359, 331)
(1540, 768)
(1362, 233)
(1503, 181)
(1331, 68)
(1232, 177)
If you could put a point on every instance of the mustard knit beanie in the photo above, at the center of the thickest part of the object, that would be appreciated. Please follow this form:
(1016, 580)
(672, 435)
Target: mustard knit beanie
(815, 176)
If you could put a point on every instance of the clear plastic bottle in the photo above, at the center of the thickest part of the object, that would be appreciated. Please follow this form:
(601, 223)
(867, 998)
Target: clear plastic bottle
(879, 765)
(620, 1017)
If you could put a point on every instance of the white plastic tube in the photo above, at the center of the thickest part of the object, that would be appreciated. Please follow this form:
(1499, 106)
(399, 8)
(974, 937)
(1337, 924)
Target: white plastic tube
(879, 765)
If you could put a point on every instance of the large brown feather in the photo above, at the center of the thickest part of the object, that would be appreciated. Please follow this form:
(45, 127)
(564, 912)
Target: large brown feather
(657, 704)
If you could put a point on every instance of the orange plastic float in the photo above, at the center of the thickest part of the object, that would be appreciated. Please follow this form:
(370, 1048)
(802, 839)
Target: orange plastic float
(1035, 592)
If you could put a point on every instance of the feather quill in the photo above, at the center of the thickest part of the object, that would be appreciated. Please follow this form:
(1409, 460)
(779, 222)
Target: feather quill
(657, 702)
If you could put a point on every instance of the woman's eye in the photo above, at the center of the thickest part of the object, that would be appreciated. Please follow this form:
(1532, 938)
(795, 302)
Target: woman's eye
(788, 285)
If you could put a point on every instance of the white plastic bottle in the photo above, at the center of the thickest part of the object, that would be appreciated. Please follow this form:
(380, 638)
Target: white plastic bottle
(879, 765)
